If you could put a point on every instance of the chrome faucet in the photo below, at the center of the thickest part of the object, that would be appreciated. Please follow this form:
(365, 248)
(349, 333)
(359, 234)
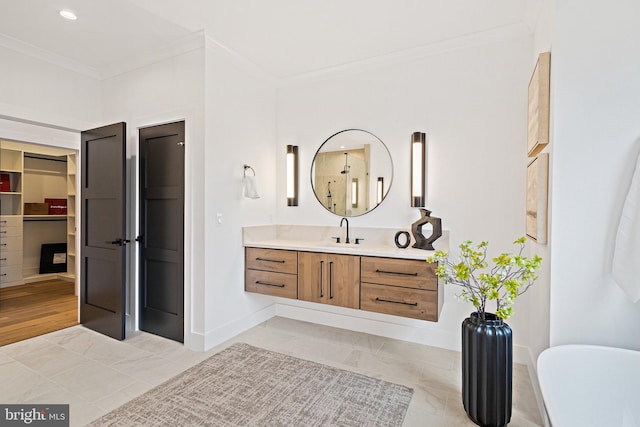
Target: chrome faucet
(341, 221)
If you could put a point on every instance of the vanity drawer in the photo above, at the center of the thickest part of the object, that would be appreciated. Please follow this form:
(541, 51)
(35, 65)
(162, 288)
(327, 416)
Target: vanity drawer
(407, 273)
(405, 302)
(271, 283)
(278, 260)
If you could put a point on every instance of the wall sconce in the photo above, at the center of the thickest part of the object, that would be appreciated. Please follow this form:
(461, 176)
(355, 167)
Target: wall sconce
(292, 175)
(354, 193)
(380, 190)
(418, 161)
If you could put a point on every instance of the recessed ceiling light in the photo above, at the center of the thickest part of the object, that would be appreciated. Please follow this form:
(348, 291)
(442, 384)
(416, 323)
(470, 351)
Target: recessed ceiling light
(67, 14)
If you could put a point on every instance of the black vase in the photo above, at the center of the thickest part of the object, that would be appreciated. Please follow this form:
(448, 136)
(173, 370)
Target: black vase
(487, 370)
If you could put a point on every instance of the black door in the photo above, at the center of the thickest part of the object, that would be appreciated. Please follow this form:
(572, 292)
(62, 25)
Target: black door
(162, 230)
(102, 269)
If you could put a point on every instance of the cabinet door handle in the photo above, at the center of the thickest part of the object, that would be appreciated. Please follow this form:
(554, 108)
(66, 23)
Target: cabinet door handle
(3, 232)
(414, 304)
(3, 274)
(331, 280)
(3, 259)
(396, 272)
(321, 278)
(281, 261)
(277, 285)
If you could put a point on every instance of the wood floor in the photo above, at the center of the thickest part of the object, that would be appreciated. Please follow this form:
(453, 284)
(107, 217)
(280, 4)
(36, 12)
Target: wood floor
(38, 308)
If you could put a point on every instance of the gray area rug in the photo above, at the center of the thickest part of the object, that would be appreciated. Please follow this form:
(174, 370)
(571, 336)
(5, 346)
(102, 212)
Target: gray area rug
(249, 386)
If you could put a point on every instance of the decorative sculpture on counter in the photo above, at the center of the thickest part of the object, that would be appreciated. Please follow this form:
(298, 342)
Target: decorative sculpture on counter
(407, 239)
(416, 229)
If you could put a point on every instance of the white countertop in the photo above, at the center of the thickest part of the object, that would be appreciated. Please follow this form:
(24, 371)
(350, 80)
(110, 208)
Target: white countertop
(309, 238)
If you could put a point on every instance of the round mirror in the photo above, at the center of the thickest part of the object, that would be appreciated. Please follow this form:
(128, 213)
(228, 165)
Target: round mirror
(352, 172)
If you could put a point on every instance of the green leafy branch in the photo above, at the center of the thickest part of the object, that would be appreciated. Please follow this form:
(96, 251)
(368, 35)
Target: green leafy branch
(510, 276)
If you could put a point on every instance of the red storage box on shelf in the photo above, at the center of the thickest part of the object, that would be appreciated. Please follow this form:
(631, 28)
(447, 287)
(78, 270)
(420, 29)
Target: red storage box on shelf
(5, 182)
(57, 206)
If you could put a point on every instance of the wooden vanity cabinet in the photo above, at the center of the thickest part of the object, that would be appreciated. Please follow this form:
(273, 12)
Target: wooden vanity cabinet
(329, 278)
(401, 287)
(271, 272)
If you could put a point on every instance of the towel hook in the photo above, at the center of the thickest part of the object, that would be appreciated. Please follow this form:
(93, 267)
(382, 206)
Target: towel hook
(248, 167)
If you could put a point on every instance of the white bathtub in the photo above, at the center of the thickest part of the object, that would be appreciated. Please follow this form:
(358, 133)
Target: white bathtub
(586, 385)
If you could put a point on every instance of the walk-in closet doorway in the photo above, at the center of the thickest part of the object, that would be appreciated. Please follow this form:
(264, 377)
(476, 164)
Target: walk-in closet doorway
(38, 240)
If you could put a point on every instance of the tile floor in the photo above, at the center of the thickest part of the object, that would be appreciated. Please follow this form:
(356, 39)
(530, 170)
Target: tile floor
(96, 374)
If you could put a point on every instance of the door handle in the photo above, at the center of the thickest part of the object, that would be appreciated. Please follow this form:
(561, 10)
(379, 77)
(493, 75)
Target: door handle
(277, 285)
(413, 304)
(119, 242)
(321, 279)
(400, 273)
(281, 261)
(139, 238)
(330, 279)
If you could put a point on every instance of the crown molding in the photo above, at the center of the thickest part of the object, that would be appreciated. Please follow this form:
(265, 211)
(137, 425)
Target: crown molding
(532, 12)
(201, 39)
(181, 46)
(240, 60)
(408, 55)
(186, 44)
(47, 56)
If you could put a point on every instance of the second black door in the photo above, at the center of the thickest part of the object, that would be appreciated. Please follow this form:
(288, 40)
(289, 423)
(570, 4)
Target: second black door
(162, 230)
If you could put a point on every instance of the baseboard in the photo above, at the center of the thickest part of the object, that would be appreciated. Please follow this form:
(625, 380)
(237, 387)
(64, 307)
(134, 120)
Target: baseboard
(533, 376)
(370, 323)
(381, 325)
(48, 276)
(331, 316)
(521, 355)
(202, 342)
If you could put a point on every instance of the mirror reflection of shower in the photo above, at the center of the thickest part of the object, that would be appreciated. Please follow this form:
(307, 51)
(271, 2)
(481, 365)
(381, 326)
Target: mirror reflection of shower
(343, 169)
(331, 206)
(344, 174)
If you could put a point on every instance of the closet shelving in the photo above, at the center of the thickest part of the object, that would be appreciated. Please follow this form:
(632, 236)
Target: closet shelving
(11, 167)
(35, 173)
(71, 215)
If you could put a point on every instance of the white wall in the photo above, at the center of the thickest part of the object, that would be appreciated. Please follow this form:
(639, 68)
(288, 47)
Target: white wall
(539, 295)
(167, 91)
(239, 129)
(229, 112)
(37, 91)
(596, 142)
(472, 103)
